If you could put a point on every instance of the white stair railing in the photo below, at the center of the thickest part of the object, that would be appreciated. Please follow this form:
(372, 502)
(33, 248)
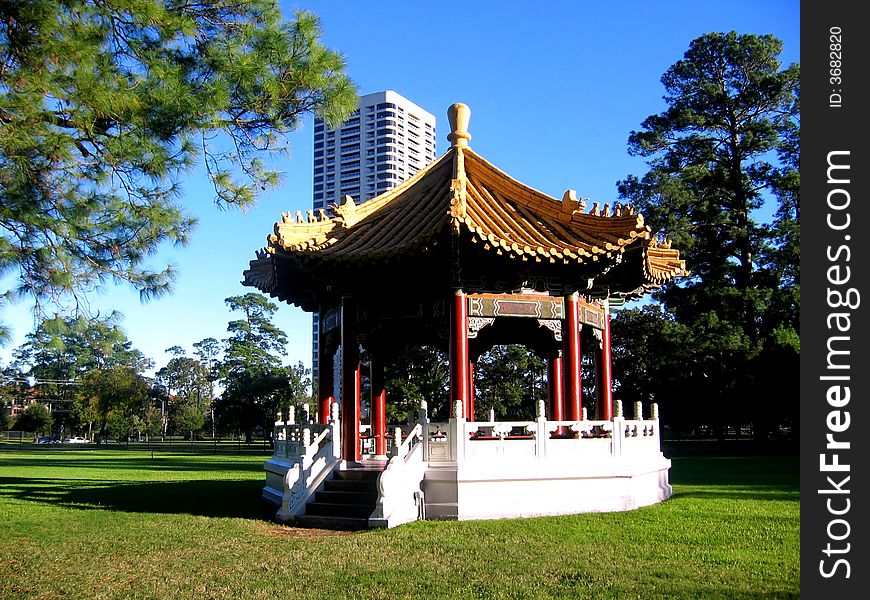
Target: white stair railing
(400, 497)
(312, 462)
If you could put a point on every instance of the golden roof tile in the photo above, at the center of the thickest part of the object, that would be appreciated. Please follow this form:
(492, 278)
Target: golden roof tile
(466, 193)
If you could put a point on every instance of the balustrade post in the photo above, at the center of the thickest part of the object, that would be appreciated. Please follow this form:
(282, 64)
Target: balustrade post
(653, 429)
(423, 414)
(541, 434)
(457, 437)
(397, 441)
(335, 427)
(617, 435)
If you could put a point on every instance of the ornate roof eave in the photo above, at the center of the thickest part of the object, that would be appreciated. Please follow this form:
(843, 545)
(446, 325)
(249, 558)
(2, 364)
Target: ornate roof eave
(304, 235)
(651, 265)
(463, 193)
(662, 263)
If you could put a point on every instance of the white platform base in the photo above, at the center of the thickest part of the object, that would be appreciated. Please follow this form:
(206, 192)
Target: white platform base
(462, 493)
(276, 469)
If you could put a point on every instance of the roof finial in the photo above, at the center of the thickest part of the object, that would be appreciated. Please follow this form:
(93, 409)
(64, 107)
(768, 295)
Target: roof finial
(459, 114)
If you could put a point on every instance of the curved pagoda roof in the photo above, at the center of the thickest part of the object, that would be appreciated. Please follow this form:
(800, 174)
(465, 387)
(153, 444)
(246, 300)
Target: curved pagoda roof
(461, 209)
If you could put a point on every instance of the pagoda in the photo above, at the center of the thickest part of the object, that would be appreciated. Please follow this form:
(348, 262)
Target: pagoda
(462, 257)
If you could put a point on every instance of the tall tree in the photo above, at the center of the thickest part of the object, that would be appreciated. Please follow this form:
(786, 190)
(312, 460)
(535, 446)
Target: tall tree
(208, 352)
(104, 104)
(256, 383)
(726, 143)
(254, 341)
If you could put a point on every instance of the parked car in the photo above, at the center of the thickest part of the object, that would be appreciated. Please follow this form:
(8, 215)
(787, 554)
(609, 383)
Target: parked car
(43, 439)
(75, 440)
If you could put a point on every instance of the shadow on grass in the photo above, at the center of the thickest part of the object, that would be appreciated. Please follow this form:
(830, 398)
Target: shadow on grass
(737, 477)
(163, 462)
(207, 498)
(753, 494)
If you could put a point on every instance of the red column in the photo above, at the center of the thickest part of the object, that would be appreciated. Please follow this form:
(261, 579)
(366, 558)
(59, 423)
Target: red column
(350, 388)
(379, 407)
(469, 412)
(556, 386)
(606, 378)
(325, 382)
(459, 349)
(573, 374)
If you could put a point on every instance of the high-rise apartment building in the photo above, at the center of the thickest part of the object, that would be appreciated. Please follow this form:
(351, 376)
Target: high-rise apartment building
(381, 145)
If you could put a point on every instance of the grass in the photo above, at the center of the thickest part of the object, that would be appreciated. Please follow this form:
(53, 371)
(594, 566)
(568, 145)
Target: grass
(91, 524)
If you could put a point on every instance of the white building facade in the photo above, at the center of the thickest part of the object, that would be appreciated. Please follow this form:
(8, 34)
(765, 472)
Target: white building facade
(381, 145)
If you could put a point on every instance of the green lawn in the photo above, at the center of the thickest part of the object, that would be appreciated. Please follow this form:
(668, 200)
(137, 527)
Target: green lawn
(88, 524)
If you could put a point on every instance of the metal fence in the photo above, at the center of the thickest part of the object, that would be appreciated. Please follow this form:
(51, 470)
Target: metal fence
(23, 440)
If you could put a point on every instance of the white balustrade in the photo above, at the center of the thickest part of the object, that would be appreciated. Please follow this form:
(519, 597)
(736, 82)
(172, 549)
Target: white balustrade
(470, 441)
(311, 451)
(435, 443)
(400, 497)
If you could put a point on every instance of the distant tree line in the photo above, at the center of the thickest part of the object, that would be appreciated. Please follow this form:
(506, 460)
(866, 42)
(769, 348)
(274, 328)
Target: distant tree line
(91, 381)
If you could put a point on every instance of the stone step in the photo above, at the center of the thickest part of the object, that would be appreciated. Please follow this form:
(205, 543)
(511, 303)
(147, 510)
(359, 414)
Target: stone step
(358, 475)
(331, 522)
(338, 510)
(345, 502)
(344, 485)
(346, 497)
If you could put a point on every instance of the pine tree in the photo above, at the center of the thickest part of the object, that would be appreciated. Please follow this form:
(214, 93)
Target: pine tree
(256, 383)
(728, 142)
(104, 105)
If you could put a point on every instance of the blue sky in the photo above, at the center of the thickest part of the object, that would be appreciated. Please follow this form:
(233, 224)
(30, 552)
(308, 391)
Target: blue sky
(554, 88)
